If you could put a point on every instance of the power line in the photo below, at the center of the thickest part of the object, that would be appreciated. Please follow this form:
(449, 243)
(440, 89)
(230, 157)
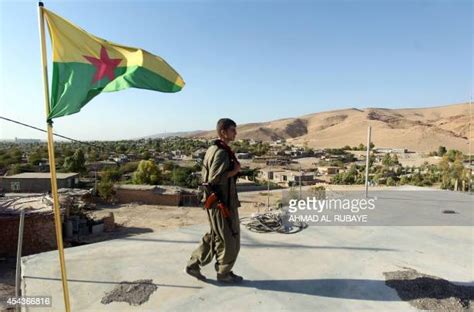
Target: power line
(56, 134)
(61, 136)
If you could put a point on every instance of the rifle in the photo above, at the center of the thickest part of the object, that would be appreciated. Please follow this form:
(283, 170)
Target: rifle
(212, 198)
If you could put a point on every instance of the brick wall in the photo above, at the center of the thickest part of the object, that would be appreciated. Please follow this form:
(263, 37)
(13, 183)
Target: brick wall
(39, 234)
(147, 197)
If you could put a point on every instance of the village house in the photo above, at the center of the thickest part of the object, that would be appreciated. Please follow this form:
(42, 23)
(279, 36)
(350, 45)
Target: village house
(328, 170)
(287, 177)
(37, 182)
(387, 150)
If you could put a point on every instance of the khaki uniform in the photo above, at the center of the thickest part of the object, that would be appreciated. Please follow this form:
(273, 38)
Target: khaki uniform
(219, 241)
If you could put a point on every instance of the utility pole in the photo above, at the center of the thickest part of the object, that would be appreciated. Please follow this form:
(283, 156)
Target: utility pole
(470, 141)
(301, 177)
(268, 191)
(367, 163)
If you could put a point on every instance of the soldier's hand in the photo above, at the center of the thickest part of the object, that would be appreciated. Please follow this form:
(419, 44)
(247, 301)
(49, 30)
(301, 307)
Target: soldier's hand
(237, 168)
(235, 171)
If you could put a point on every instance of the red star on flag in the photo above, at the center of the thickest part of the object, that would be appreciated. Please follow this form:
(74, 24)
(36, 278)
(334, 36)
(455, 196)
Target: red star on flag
(105, 66)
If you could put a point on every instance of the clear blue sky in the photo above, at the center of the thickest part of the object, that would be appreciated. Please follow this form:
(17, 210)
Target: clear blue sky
(248, 60)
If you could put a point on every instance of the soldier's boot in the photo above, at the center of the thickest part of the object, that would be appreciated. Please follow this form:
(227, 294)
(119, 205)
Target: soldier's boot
(230, 278)
(195, 272)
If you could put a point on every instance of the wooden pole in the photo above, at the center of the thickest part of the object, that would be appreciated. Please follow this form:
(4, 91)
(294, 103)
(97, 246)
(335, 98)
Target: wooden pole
(52, 162)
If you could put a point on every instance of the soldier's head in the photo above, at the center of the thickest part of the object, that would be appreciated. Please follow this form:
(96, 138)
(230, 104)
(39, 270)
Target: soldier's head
(226, 129)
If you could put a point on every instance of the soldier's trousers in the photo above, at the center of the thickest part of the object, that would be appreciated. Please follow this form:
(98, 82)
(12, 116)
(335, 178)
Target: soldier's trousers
(219, 242)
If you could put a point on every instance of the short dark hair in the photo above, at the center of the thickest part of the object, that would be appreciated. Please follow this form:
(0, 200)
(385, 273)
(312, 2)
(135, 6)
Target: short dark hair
(224, 124)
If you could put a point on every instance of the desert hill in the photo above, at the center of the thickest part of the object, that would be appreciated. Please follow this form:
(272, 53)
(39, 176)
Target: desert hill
(418, 129)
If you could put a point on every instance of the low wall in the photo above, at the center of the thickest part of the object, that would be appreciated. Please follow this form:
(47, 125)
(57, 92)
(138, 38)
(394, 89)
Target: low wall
(39, 234)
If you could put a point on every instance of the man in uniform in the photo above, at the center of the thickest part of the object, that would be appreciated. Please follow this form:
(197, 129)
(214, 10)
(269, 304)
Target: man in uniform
(219, 174)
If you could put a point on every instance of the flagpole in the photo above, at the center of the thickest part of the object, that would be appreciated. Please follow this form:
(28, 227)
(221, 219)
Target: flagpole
(52, 162)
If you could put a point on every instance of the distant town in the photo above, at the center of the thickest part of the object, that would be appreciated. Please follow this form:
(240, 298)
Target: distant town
(108, 167)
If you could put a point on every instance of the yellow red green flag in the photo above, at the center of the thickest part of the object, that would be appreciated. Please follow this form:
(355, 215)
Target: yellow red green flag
(85, 65)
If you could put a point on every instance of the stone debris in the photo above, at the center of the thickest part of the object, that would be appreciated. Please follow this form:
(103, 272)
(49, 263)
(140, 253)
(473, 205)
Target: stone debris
(134, 293)
(427, 292)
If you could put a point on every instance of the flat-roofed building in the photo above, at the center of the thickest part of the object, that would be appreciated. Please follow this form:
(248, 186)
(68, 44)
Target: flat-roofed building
(37, 182)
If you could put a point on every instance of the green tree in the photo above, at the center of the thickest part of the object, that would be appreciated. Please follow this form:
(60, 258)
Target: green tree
(390, 181)
(350, 176)
(105, 189)
(453, 155)
(441, 151)
(76, 162)
(146, 155)
(452, 171)
(129, 167)
(395, 160)
(34, 158)
(371, 159)
(249, 173)
(147, 173)
(111, 173)
(404, 180)
(92, 155)
(67, 151)
(183, 176)
(169, 166)
(387, 160)
(15, 169)
(122, 148)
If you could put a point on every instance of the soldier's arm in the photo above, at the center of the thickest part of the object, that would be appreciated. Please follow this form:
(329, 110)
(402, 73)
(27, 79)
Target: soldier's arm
(219, 168)
(234, 172)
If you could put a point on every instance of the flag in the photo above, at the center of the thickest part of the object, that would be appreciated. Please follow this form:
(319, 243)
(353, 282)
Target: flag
(85, 65)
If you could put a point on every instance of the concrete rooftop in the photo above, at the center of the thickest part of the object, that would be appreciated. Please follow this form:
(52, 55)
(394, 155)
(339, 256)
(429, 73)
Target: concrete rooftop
(323, 268)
